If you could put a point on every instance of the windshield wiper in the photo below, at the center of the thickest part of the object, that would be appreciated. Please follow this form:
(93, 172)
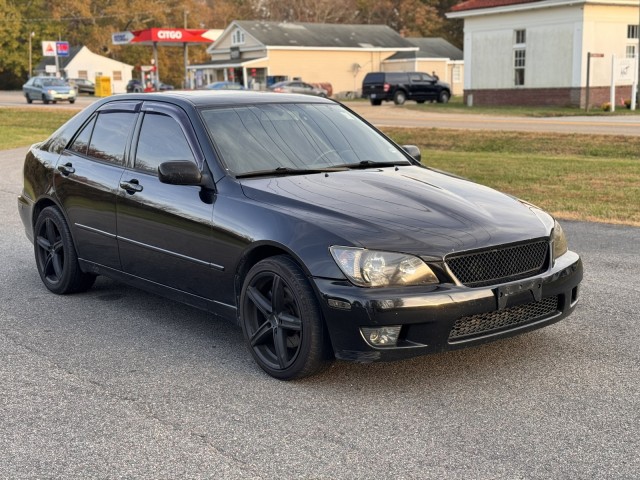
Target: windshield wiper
(371, 164)
(290, 171)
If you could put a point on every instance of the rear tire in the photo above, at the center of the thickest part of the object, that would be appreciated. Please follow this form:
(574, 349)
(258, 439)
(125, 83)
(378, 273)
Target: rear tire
(56, 256)
(400, 97)
(281, 320)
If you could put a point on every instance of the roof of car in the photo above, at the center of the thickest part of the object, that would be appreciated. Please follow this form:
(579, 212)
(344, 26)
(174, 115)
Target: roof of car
(205, 98)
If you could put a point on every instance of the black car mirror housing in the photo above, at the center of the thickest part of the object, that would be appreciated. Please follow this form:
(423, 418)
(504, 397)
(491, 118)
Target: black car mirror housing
(180, 172)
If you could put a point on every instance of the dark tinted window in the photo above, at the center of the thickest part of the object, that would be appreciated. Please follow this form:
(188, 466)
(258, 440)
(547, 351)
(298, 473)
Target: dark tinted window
(110, 136)
(81, 143)
(374, 78)
(397, 77)
(161, 140)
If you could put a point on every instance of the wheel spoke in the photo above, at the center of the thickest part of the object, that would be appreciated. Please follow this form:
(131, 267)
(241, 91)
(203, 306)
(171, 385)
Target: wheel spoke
(48, 265)
(43, 242)
(57, 264)
(262, 334)
(289, 322)
(51, 231)
(259, 300)
(277, 294)
(280, 341)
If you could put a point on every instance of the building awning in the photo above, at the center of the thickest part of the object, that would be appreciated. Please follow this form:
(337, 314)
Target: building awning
(220, 64)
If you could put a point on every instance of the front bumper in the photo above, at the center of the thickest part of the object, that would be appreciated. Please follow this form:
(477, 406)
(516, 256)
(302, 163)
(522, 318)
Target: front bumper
(446, 316)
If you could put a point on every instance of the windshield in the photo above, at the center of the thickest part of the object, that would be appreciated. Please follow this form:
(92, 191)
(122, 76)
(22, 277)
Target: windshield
(258, 138)
(53, 82)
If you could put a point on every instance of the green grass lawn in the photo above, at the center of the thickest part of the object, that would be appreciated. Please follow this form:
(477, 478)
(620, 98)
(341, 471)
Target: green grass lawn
(579, 177)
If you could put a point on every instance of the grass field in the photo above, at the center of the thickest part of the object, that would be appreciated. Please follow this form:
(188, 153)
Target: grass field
(578, 177)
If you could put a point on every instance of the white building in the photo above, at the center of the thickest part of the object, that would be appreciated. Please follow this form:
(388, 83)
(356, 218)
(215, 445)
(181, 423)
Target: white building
(83, 63)
(535, 52)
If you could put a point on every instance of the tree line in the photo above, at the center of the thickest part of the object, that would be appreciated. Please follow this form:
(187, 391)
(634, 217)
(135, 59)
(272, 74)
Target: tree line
(91, 23)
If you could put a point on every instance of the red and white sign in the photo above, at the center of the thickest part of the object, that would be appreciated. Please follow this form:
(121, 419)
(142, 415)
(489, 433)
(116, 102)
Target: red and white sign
(164, 36)
(48, 49)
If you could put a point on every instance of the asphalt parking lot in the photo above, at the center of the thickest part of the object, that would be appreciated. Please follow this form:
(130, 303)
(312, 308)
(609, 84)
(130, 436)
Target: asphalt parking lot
(118, 383)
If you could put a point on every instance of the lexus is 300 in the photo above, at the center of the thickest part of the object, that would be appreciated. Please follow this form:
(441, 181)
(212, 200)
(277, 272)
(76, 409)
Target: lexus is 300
(295, 218)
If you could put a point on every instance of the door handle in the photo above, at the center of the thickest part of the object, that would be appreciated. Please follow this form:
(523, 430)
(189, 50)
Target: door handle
(132, 186)
(66, 169)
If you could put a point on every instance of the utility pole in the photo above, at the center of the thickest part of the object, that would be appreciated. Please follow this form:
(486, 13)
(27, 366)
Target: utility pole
(31, 35)
(186, 55)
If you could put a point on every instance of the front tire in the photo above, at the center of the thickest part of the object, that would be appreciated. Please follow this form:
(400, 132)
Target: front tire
(28, 98)
(400, 97)
(443, 97)
(281, 320)
(45, 100)
(56, 257)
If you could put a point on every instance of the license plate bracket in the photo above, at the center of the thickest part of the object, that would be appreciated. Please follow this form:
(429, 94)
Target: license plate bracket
(518, 293)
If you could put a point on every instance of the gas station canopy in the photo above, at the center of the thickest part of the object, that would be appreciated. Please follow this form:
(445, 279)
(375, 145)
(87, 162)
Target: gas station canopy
(165, 36)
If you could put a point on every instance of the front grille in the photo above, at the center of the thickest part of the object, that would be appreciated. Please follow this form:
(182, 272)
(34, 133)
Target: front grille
(499, 265)
(467, 328)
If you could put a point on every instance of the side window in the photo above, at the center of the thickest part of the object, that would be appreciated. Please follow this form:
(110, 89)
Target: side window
(161, 140)
(81, 143)
(110, 136)
(415, 78)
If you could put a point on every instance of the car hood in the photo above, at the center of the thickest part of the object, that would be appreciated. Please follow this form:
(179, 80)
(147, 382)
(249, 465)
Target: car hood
(409, 209)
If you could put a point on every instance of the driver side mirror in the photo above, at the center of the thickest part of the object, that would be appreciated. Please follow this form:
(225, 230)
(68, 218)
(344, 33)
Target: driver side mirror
(179, 172)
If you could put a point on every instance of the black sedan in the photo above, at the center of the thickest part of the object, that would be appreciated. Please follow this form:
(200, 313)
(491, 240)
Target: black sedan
(293, 217)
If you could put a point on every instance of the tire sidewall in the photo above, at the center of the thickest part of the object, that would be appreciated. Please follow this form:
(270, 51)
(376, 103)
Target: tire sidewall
(70, 266)
(311, 355)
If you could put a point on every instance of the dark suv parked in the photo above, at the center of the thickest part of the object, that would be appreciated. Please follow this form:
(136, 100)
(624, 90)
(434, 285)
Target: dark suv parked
(403, 86)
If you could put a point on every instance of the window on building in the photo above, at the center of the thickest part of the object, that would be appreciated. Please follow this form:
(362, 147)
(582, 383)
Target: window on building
(519, 56)
(519, 63)
(83, 74)
(117, 75)
(237, 38)
(631, 51)
(456, 74)
(632, 31)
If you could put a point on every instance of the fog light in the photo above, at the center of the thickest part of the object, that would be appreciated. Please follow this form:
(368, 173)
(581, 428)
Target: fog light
(381, 336)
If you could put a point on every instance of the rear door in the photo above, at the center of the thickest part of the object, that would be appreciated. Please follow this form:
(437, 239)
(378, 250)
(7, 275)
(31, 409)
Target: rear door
(87, 178)
(164, 231)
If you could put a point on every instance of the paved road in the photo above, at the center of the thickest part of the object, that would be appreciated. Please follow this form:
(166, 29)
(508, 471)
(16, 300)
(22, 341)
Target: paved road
(390, 115)
(119, 383)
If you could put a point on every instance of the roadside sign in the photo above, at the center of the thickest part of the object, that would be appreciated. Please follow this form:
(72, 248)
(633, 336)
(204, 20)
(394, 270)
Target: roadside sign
(121, 38)
(62, 49)
(48, 49)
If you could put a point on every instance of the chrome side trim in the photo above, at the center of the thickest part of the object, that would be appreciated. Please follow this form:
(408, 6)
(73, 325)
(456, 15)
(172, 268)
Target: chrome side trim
(95, 230)
(173, 254)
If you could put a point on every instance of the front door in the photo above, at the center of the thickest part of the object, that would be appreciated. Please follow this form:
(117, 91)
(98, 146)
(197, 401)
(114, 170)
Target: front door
(164, 231)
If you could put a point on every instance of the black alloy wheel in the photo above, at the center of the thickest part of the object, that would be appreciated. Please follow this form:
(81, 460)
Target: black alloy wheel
(281, 320)
(56, 257)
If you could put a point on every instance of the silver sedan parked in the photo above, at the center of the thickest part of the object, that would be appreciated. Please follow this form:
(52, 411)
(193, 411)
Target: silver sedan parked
(48, 89)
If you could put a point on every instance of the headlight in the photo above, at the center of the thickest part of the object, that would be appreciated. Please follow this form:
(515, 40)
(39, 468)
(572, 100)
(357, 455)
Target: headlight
(72, 92)
(372, 268)
(559, 241)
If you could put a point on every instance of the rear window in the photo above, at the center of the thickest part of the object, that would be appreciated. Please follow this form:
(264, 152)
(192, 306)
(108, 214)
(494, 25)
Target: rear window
(377, 77)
